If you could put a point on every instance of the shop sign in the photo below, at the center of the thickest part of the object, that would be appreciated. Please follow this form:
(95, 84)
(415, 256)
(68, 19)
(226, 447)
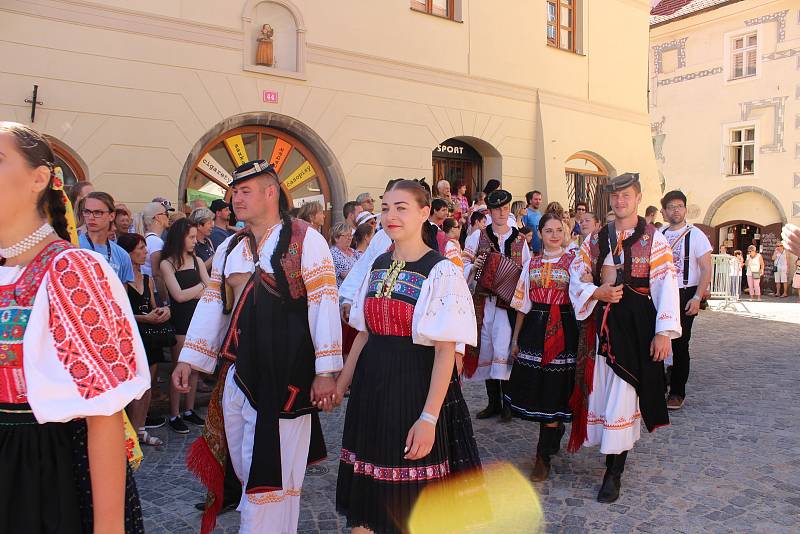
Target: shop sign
(454, 149)
(211, 167)
(279, 154)
(298, 202)
(450, 149)
(301, 175)
(237, 150)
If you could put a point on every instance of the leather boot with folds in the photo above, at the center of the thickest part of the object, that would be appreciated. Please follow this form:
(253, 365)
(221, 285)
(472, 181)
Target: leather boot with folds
(541, 468)
(612, 480)
(556, 445)
(494, 406)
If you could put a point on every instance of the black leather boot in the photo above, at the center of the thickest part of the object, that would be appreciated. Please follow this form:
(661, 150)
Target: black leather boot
(494, 406)
(541, 467)
(612, 480)
(561, 429)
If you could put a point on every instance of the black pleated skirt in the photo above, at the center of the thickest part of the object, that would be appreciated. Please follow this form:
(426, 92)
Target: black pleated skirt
(377, 487)
(45, 487)
(538, 393)
(463, 452)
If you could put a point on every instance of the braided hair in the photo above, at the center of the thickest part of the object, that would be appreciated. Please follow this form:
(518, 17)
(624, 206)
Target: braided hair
(37, 153)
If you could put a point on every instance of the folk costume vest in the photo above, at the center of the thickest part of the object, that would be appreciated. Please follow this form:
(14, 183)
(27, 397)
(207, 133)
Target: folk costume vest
(488, 242)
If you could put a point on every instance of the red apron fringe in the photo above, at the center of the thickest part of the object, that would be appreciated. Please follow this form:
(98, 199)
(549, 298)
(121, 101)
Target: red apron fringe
(470, 362)
(579, 400)
(554, 342)
(201, 462)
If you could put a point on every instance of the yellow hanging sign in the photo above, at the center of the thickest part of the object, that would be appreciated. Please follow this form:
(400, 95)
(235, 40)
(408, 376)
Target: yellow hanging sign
(237, 150)
(301, 175)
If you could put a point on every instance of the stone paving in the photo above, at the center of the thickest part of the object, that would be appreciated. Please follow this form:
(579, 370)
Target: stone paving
(729, 462)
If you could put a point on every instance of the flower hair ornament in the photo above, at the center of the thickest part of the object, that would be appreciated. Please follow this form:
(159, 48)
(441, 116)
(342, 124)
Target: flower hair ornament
(57, 183)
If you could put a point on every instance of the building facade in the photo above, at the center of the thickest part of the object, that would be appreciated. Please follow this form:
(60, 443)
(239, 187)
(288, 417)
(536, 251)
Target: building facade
(725, 112)
(166, 97)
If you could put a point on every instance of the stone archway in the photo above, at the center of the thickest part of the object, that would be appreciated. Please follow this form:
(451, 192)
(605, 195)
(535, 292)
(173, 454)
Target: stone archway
(731, 193)
(324, 156)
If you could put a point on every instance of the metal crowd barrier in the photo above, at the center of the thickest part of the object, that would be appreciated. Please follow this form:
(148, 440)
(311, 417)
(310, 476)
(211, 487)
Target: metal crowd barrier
(726, 280)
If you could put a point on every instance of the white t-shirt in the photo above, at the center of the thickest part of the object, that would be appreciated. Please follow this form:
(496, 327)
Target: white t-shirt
(699, 245)
(154, 244)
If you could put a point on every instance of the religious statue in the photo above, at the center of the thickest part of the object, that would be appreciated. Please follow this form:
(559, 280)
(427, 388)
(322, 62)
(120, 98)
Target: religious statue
(264, 52)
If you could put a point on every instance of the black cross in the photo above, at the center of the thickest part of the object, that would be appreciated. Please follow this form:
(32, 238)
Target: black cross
(34, 102)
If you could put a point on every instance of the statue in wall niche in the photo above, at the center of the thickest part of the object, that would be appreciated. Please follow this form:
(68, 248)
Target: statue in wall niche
(264, 52)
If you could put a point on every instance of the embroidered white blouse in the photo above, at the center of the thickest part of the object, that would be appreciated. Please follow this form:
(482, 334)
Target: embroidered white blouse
(443, 312)
(82, 354)
(209, 325)
(663, 284)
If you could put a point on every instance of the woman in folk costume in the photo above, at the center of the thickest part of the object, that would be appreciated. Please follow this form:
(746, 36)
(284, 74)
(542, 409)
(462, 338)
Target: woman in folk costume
(464, 449)
(411, 312)
(544, 344)
(629, 304)
(70, 361)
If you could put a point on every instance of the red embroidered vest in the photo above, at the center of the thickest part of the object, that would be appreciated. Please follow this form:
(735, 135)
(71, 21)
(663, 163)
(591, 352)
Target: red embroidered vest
(291, 260)
(485, 244)
(16, 304)
(636, 268)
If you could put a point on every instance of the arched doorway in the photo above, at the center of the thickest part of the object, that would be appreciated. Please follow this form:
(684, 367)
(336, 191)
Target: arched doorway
(306, 166)
(72, 167)
(466, 158)
(302, 177)
(746, 216)
(457, 162)
(585, 173)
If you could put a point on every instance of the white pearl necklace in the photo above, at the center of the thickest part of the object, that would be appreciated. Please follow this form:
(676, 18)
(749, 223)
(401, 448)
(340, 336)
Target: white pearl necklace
(553, 255)
(28, 243)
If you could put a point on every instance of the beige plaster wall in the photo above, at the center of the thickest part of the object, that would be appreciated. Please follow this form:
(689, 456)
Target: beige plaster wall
(132, 91)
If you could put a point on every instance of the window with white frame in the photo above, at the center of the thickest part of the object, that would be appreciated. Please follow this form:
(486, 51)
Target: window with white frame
(744, 56)
(741, 151)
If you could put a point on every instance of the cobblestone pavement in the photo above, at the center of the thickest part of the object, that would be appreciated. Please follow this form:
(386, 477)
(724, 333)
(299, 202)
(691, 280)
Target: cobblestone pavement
(729, 462)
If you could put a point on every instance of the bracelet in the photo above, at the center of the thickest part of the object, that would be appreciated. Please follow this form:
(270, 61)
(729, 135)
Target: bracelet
(428, 418)
(698, 298)
(326, 375)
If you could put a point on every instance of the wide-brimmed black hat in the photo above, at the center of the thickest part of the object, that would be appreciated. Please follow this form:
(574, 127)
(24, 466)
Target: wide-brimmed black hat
(498, 198)
(491, 185)
(623, 181)
(250, 170)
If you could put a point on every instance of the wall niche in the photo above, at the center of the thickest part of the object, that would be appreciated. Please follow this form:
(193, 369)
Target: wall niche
(274, 38)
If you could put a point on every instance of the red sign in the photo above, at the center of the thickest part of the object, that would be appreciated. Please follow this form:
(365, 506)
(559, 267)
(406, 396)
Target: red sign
(270, 97)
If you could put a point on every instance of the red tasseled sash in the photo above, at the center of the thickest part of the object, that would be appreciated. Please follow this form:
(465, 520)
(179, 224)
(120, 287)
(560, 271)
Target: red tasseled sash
(471, 353)
(584, 377)
(207, 455)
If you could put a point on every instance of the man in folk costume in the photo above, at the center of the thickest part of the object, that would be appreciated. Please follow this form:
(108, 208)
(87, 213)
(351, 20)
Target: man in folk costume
(623, 286)
(271, 315)
(490, 360)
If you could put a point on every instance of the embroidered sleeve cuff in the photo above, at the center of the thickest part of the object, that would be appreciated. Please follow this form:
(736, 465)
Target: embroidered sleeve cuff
(198, 357)
(672, 334)
(329, 364)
